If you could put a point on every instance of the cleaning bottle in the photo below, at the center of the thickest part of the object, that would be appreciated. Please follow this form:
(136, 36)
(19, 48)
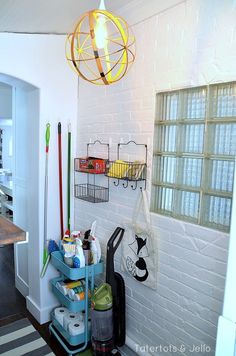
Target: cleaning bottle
(79, 259)
(94, 251)
(98, 247)
(86, 248)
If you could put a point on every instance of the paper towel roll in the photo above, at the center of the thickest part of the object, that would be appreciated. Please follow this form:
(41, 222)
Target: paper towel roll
(76, 328)
(60, 314)
(70, 317)
(80, 316)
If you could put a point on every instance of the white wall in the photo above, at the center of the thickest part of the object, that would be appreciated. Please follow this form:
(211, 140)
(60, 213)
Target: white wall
(40, 61)
(5, 101)
(183, 46)
(226, 335)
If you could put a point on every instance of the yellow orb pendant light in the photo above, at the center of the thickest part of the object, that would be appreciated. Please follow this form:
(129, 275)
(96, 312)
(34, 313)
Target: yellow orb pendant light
(102, 47)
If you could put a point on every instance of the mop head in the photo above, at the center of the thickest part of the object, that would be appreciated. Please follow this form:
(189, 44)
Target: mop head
(52, 246)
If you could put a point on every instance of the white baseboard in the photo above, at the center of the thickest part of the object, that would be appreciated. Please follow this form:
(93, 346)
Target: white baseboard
(22, 287)
(226, 337)
(41, 315)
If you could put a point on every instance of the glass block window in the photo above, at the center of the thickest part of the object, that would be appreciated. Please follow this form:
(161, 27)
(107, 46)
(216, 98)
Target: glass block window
(194, 154)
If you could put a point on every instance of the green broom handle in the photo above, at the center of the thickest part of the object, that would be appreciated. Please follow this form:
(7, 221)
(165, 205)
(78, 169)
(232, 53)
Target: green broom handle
(68, 177)
(47, 139)
(47, 136)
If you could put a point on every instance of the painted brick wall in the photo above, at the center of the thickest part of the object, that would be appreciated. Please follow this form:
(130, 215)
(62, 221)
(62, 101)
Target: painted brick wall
(190, 44)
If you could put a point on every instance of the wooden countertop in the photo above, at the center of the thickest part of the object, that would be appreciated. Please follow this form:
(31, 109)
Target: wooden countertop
(10, 233)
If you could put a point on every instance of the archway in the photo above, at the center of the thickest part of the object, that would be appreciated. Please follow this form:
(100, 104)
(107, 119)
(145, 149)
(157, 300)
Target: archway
(25, 173)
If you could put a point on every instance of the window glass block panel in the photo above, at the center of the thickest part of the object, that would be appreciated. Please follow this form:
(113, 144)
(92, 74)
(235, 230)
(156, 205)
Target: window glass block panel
(162, 200)
(170, 105)
(223, 102)
(194, 104)
(185, 143)
(191, 172)
(188, 205)
(222, 139)
(220, 175)
(166, 138)
(217, 212)
(192, 138)
(165, 169)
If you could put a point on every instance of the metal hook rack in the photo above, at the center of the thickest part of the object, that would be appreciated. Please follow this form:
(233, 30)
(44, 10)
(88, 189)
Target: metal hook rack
(128, 171)
(100, 143)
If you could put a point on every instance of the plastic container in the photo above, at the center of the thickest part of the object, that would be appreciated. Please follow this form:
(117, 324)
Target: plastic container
(102, 315)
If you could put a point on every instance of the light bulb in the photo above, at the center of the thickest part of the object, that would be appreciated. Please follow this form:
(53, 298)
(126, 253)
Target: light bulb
(100, 32)
(100, 28)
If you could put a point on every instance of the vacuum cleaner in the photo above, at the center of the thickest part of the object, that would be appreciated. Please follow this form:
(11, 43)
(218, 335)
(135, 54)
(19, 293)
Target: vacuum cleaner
(108, 306)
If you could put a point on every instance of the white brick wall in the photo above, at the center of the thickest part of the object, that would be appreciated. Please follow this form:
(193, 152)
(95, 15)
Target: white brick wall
(193, 43)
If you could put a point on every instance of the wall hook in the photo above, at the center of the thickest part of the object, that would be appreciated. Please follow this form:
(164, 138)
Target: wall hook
(135, 186)
(126, 185)
(116, 183)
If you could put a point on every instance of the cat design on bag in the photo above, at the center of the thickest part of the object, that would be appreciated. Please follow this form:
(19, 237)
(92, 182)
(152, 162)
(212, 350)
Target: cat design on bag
(139, 247)
(138, 268)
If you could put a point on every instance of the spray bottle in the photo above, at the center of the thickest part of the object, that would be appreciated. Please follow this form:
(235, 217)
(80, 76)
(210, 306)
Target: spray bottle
(79, 259)
(95, 246)
(94, 251)
(86, 248)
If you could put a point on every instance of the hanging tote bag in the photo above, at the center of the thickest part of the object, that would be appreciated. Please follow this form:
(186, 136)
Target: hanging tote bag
(139, 250)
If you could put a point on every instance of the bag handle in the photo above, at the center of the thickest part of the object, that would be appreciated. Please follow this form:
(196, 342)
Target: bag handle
(136, 209)
(146, 207)
(142, 206)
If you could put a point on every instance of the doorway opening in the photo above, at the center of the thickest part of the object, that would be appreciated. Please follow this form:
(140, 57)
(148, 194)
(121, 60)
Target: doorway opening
(19, 172)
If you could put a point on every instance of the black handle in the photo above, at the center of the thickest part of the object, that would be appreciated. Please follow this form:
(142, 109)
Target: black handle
(111, 249)
(59, 127)
(110, 245)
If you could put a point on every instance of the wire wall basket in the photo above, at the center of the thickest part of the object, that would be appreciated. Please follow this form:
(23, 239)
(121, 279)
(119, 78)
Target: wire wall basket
(127, 171)
(92, 193)
(130, 171)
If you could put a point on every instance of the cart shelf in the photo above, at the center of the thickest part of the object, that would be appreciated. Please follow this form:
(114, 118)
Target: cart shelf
(72, 340)
(73, 306)
(74, 273)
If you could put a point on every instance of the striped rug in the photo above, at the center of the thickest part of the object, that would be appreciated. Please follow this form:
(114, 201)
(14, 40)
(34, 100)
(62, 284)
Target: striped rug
(21, 338)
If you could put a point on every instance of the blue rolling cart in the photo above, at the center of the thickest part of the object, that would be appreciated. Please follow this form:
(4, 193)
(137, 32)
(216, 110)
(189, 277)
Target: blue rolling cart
(87, 273)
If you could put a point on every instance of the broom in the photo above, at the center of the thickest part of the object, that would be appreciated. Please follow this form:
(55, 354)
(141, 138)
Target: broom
(60, 180)
(46, 255)
(68, 176)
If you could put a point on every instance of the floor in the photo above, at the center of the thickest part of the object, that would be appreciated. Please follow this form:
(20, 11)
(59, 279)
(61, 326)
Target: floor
(13, 307)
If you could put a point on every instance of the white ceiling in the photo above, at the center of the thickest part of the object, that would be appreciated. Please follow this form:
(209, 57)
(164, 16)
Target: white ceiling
(48, 16)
